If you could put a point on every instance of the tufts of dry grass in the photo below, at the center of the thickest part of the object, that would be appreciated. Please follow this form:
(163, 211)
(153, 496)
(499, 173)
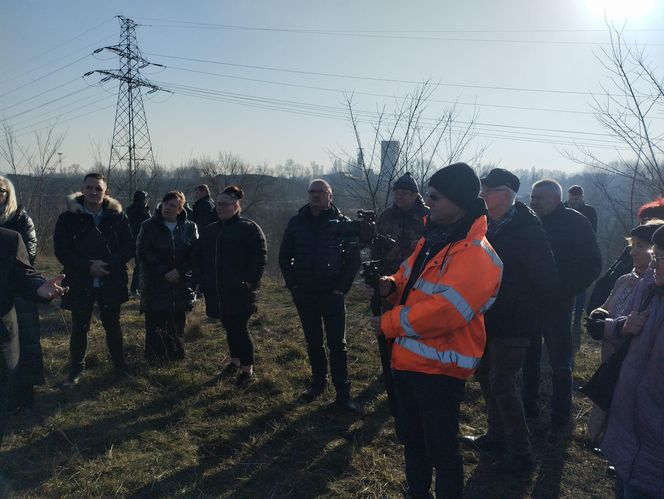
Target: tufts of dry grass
(180, 431)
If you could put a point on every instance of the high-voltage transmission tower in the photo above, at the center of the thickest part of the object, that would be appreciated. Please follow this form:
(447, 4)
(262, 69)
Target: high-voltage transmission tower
(131, 149)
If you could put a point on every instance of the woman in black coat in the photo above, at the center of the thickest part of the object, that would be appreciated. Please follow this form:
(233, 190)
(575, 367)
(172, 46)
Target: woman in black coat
(30, 370)
(230, 260)
(164, 251)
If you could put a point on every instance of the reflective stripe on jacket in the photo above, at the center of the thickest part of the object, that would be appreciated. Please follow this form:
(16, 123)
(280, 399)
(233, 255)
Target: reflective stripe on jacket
(440, 328)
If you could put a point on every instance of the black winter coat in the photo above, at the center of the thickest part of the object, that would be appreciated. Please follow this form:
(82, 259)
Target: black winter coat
(312, 255)
(159, 251)
(530, 276)
(587, 211)
(23, 224)
(229, 254)
(30, 369)
(17, 279)
(575, 249)
(204, 212)
(77, 240)
(137, 213)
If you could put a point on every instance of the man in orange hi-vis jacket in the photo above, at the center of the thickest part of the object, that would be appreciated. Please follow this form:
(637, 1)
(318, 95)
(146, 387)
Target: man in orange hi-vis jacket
(440, 293)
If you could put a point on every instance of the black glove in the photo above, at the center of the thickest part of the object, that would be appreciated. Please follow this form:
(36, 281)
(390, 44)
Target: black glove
(594, 323)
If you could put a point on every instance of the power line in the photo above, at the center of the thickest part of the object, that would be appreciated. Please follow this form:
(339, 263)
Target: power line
(49, 102)
(40, 94)
(370, 78)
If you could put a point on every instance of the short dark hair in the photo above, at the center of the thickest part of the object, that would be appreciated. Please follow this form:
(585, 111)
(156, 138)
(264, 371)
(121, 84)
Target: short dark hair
(173, 195)
(234, 191)
(97, 176)
(575, 190)
(202, 187)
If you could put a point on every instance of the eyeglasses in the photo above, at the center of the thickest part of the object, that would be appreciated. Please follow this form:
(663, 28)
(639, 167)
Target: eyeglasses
(655, 260)
(491, 190)
(3, 190)
(317, 191)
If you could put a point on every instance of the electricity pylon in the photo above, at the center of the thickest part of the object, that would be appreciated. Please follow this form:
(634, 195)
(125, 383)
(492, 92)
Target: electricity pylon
(131, 149)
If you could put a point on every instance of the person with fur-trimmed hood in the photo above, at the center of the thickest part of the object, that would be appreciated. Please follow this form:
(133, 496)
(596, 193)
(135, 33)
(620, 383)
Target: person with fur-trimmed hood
(93, 242)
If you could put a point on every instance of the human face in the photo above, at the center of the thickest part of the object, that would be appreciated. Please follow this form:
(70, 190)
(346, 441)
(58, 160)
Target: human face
(442, 210)
(199, 194)
(640, 253)
(94, 191)
(171, 209)
(496, 198)
(657, 264)
(227, 207)
(575, 200)
(4, 193)
(404, 199)
(320, 197)
(543, 201)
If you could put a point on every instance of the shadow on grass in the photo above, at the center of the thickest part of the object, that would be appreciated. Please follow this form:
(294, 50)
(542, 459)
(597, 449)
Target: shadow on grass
(278, 455)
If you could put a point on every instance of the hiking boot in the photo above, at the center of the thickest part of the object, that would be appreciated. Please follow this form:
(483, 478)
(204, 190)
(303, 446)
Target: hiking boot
(516, 463)
(346, 403)
(483, 443)
(312, 393)
(244, 379)
(229, 371)
(73, 378)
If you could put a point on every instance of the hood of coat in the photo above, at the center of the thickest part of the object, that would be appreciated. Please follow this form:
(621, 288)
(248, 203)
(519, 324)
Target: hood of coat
(74, 203)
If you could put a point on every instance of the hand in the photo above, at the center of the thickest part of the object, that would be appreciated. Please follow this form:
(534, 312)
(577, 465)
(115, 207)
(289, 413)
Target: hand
(97, 268)
(375, 325)
(385, 285)
(172, 276)
(635, 322)
(52, 289)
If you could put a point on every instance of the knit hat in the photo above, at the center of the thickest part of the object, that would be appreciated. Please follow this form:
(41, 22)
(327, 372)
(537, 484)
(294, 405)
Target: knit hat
(458, 183)
(658, 237)
(406, 182)
(645, 231)
(499, 176)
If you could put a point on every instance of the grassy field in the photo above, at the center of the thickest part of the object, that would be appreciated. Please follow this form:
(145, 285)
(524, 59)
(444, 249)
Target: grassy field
(179, 431)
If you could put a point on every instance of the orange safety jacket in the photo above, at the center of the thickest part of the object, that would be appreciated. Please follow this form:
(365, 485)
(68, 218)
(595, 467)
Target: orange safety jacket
(440, 328)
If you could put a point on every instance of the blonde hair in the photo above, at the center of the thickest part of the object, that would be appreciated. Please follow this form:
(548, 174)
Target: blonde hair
(10, 206)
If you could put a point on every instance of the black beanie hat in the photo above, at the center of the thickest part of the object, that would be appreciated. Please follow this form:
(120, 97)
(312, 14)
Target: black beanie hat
(458, 183)
(406, 182)
(645, 231)
(658, 238)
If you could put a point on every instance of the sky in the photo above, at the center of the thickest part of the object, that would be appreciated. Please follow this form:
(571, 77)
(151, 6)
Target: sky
(267, 80)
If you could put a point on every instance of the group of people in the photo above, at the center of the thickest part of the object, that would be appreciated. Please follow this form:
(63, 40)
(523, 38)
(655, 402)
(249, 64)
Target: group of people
(474, 284)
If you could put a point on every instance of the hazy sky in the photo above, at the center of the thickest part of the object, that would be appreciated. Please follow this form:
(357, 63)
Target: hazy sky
(495, 57)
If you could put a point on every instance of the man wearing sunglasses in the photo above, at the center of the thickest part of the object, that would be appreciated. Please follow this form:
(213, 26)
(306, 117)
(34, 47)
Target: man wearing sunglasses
(319, 270)
(440, 295)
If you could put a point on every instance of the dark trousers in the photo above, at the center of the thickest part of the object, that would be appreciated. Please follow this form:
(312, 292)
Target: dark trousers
(81, 317)
(428, 407)
(579, 304)
(316, 309)
(240, 342)
(498, 374)
(4, 395)
(136, 278)
(556, 330)
(164, 334)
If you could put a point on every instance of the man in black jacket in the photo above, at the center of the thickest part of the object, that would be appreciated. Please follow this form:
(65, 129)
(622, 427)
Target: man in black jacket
(17, 278)
(137, 213)
(579, 263)
(319, 270)
(93, 241)
(530, 280)
(203, 211)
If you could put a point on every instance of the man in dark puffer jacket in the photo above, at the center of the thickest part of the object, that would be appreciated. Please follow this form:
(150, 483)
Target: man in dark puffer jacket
(530, 280)
(319, 271)
(93, 241)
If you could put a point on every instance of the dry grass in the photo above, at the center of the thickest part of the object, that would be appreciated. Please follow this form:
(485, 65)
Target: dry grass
(180, 431)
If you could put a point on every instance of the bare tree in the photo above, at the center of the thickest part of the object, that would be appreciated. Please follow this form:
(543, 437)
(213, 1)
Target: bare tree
(423, 141)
